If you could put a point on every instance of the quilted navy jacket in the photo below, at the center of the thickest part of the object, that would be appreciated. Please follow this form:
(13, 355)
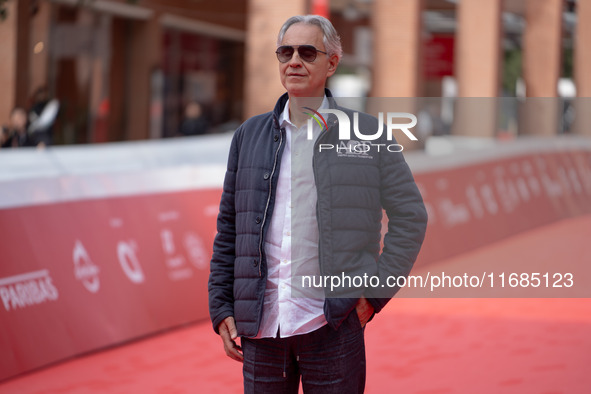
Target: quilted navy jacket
(353, 191)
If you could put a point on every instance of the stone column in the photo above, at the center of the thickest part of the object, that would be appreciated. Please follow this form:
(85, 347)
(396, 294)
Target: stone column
(477, 67)
(542, 54)
(397, 48)
(39, 47)
(145, 56)
(397, 67)
(262, 84)
(14, 47)
(583, 69)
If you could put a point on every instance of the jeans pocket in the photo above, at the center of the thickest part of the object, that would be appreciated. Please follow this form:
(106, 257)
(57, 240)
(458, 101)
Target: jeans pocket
(355, 319)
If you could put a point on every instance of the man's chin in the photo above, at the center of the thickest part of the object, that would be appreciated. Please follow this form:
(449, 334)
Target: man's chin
(301, 91)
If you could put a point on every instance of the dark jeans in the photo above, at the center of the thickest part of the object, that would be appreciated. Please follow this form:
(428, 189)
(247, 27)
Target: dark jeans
(328, 361)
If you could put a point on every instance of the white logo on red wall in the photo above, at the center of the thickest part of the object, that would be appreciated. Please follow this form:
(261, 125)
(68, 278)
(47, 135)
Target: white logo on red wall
(167, 241)
(28, 289)
(177, 269)
(196, 251)
(84, 269)
(126, 252)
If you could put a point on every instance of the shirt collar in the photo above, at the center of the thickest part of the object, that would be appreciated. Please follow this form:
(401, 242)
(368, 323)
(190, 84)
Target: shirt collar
(284, 117)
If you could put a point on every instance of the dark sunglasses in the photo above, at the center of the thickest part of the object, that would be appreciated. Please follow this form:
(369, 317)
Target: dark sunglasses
(307, 52)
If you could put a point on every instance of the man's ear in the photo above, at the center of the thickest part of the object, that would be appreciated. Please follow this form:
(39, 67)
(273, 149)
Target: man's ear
(333, 62)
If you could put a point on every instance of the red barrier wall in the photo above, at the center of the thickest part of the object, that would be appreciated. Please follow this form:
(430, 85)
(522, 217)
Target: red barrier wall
(473, 205)
(80, 276)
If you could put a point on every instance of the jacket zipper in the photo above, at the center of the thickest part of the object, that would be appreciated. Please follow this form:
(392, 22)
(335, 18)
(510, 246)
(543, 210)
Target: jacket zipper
(268, 201)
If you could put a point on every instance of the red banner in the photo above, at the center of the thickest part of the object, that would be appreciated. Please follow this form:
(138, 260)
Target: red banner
(438, 56)
(473, 205)
(84, 275)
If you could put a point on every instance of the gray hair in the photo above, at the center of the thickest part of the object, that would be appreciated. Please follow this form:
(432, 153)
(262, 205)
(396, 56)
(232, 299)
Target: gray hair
(331, 39)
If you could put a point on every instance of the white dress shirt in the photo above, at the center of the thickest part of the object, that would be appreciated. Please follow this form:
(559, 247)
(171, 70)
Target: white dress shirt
(291, 244)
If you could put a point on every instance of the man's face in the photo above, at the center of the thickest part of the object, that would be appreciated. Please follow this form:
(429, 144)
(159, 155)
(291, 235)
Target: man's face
(306, 79)
(18, 119)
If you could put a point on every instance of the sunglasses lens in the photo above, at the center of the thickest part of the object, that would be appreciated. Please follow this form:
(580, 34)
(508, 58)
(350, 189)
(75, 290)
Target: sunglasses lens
(284, 53)
(307, 53)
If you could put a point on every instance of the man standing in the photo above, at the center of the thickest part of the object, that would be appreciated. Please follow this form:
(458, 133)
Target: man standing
(15, 134)
(290, 210)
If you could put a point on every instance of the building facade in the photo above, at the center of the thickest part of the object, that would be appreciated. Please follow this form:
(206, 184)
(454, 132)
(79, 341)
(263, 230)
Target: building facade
(126, 69)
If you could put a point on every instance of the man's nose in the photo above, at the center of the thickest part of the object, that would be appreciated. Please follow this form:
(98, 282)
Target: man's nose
(295, 60)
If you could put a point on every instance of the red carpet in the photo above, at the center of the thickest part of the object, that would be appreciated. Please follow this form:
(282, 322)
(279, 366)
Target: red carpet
(413, 346)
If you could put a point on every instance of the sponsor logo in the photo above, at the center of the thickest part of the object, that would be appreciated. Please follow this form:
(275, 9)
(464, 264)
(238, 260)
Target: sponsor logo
(28, 289)
(196, 251)
(351, 148)
(84, 269)
(126, 252)
(177, 266)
